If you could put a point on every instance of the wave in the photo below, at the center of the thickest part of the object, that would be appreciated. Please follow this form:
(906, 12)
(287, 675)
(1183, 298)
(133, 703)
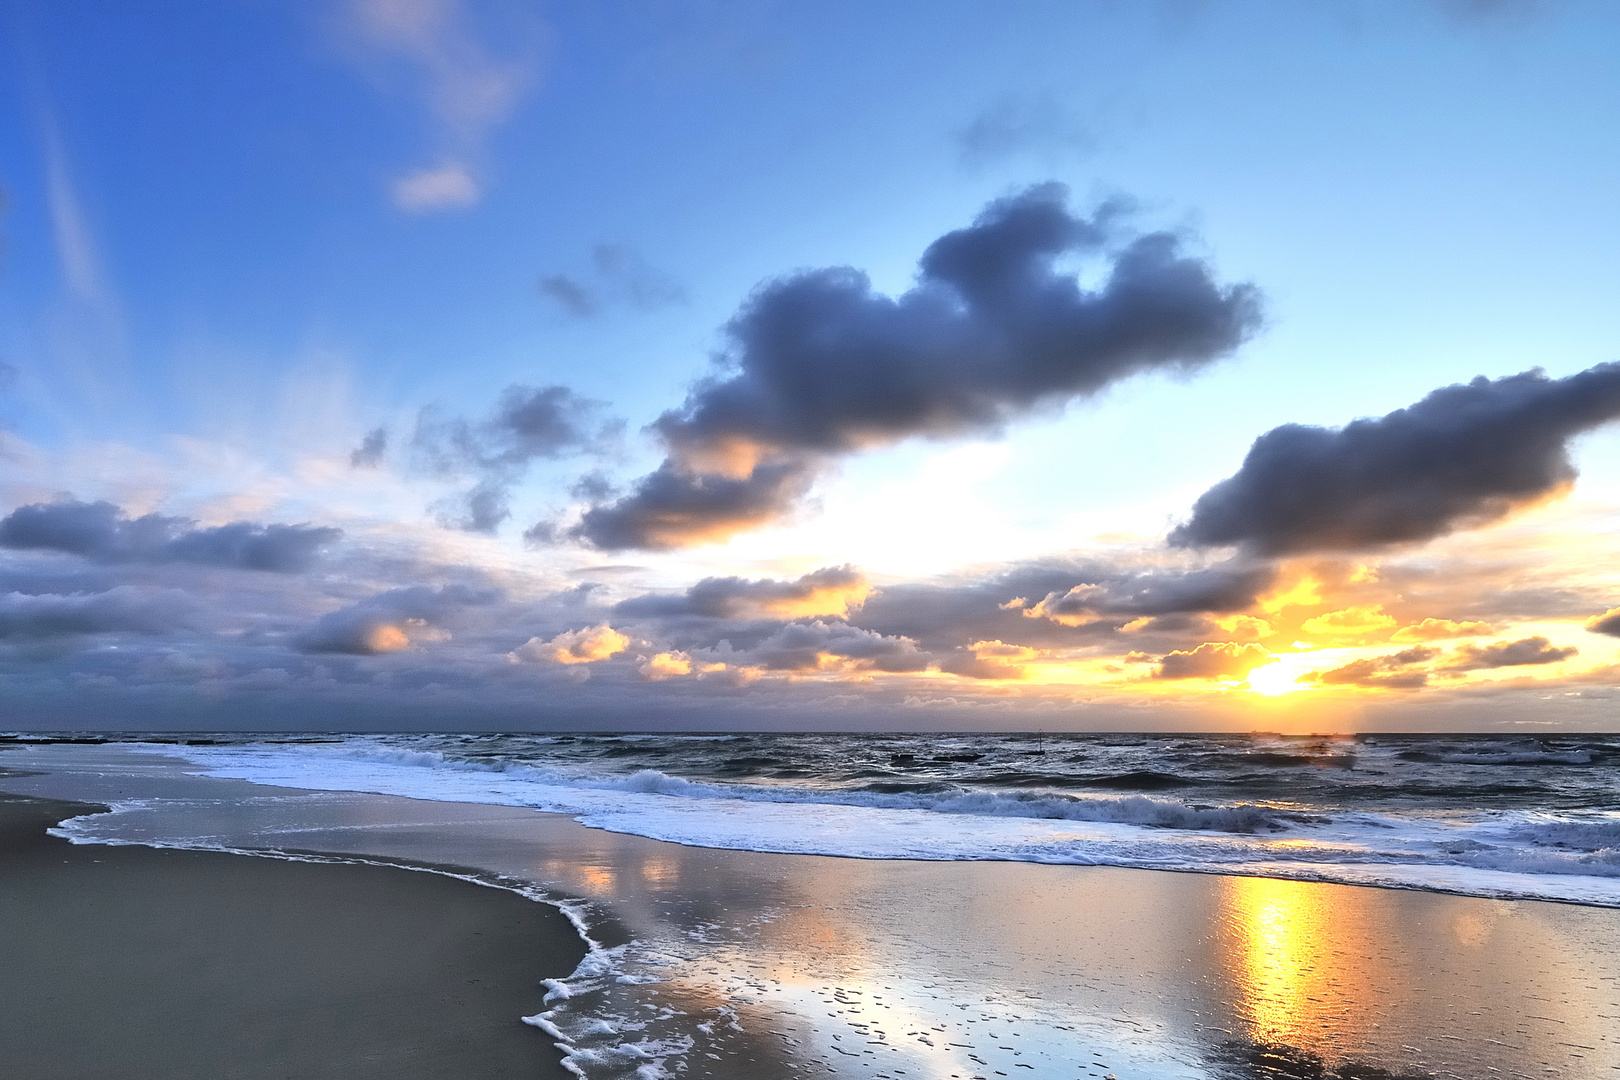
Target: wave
(1506, 853)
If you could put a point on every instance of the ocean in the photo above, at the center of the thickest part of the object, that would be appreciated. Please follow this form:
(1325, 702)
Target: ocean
(951, 838)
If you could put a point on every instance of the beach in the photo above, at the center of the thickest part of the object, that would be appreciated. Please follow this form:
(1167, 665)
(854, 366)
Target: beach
(133, 962)
(736, 963)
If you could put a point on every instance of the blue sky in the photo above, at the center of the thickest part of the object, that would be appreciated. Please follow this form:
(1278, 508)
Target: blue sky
(239, 238)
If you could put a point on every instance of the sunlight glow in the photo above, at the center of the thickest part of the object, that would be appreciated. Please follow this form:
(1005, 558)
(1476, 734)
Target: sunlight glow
(1274, 679)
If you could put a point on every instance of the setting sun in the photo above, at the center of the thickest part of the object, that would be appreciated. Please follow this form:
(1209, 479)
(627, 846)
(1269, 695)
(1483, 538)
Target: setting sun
(1274, 679)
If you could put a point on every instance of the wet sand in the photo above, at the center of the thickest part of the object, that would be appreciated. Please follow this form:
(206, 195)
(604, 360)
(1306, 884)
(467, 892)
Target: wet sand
(131, 962)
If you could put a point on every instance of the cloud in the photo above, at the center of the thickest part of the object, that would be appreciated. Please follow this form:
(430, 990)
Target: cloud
(1214, 660)
(369, 454)
(1530, 650)
(621, 274)
(1464, 456)
(1606, 623)
(391, 621)
(124, 609)
(821, 365)
(1350, 622)
(832, 590)
(671, 508)
(991, 660)
(818, 645)
(585, 646)
(1022, 125)
(1386, 672)
(1149, 593)
(570, 295)
(443, 187)
(527, 424)
(1438, 629)
(468, 89)
(101, 531)
(1093, 601)
(666, 665)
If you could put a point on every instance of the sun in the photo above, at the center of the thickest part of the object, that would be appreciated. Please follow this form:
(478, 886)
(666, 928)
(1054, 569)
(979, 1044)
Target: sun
(1274, 679)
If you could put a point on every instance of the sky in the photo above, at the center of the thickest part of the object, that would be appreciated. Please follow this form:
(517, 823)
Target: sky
(1176, 365)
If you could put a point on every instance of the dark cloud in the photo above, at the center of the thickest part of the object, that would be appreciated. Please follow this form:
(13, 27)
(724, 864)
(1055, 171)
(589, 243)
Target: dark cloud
(391, 621)
(1219, 590)
(1606, 623)
(1391, 672)
(621, 274)
(809, 646)
(1213, 660)
(527, 424)
(570, 295)
(1022, 125)
(672, 508)
(825, 591)
(1465, 455)
(101, 531)
(1012, 605)
(369, 454)
(1530, 650)
(124, 609)
(820, 364)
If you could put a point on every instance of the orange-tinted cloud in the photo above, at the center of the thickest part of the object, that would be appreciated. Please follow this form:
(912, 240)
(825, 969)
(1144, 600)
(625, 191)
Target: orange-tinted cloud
(585, 646)
(1439, 629)
(1214, 660)
(1350, 622)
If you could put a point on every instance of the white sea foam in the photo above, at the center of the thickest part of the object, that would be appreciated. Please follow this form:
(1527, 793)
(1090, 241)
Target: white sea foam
(1574, 857)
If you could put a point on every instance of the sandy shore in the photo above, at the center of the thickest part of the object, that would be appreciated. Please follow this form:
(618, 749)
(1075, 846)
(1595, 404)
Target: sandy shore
(131, 962)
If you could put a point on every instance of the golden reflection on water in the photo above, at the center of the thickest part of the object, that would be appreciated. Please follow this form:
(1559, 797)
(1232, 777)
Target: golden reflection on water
(1284, 967)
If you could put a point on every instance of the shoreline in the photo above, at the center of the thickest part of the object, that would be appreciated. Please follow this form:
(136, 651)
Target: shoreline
(148, 962)
(743, 964)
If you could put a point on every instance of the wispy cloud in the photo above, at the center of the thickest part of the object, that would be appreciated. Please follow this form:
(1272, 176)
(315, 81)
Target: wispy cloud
(1019, 126)
(467, 87)
(75, 247)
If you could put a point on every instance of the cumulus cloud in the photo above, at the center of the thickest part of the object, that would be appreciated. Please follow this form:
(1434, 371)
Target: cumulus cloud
(124, 609)
(1214, 660)
(832, 590)
(1391, 672)
(1606, 623)
(1350, 622)
(391, 621)
(585, 646)
(101, 531)
(817, 645)
(527, 424)
(1154, 593)
(369, 454)
(1439, 629)
(1530, 650)
(821, 365)
(666, 665)
(1465, 455)
(994, 659)
(943, 614)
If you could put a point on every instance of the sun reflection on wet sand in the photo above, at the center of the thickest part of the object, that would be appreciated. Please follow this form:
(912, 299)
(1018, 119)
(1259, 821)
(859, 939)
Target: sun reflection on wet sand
(1287, 977)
